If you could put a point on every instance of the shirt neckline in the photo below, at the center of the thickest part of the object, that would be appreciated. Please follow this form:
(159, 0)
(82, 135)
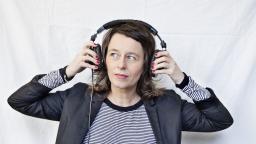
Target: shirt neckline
(123, 109)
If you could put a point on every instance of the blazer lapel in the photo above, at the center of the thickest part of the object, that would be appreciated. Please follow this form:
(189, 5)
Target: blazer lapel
(85, 114)
(151, 110)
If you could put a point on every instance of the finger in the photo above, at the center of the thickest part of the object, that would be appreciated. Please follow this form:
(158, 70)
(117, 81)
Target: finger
(89, 52)
(161, 60)
(162, 71)
(87, 65)
(90, 44)
(162, 53)
(90, 60)
(162, 65)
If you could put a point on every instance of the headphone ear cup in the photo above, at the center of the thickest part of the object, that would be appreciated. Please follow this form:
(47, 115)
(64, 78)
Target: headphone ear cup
(97, 50)
(152, 60)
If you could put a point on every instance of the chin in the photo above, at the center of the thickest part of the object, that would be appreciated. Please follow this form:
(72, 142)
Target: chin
(121, 85)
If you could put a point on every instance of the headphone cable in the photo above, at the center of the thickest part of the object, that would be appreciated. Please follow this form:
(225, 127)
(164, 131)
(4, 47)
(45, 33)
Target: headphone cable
(89, 117)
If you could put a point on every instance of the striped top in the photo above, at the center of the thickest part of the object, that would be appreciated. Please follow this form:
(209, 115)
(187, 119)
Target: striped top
(52, 79)
(195, 91)
(118, 125)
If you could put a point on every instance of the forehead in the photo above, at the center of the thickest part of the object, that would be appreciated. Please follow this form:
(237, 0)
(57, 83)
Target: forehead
(125, 44)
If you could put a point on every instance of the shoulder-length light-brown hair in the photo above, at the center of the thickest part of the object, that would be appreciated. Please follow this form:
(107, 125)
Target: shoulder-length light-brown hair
(136, 30)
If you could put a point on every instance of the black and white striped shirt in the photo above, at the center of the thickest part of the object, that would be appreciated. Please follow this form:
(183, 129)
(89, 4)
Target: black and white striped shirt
(118, 125)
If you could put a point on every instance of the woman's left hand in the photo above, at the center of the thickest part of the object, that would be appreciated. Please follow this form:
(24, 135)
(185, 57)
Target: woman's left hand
(165, 64)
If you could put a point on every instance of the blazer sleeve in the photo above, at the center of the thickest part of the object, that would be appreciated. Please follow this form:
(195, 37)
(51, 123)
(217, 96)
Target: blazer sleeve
(208, 115)
(35, 99)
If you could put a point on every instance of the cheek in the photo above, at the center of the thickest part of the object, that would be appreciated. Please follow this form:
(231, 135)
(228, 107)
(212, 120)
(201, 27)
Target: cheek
(107, 64)
(137, 72)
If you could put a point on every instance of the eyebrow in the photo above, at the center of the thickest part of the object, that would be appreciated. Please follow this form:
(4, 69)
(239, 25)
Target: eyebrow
(113, 49)
(128, 52)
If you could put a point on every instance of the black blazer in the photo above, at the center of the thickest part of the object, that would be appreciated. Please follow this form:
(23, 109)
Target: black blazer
(168, 114)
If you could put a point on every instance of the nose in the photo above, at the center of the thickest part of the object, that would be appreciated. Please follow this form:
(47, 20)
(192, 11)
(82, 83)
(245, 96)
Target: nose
(122, 63)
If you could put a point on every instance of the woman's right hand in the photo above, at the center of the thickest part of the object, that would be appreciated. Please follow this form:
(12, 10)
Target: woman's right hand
(82, 59)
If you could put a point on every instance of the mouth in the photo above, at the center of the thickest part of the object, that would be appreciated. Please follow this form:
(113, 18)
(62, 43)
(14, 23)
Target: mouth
(121, 76)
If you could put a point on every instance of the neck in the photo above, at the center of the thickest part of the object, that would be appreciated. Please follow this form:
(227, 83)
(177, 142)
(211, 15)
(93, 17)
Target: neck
(123, 97)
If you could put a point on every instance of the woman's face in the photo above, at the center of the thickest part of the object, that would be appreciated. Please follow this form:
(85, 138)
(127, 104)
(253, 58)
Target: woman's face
(124, 61)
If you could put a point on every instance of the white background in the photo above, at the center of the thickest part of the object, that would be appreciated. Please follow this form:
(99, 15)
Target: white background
(214, 41)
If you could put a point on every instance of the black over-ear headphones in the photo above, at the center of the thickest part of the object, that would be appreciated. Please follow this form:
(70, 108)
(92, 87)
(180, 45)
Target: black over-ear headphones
(115, 23)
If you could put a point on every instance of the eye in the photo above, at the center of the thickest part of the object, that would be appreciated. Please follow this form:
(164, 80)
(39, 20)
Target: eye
(114, 55)
(130, 57)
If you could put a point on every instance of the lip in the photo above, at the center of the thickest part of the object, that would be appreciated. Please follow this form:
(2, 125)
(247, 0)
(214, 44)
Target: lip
(121, 76)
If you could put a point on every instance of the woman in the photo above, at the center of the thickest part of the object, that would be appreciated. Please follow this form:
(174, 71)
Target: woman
(126, 106)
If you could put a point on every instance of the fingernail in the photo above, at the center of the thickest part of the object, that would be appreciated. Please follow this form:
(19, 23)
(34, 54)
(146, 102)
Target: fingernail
(153, 64)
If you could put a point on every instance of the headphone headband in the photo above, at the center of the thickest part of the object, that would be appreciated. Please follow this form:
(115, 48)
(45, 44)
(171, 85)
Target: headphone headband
(114, 23)
(120, 22)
